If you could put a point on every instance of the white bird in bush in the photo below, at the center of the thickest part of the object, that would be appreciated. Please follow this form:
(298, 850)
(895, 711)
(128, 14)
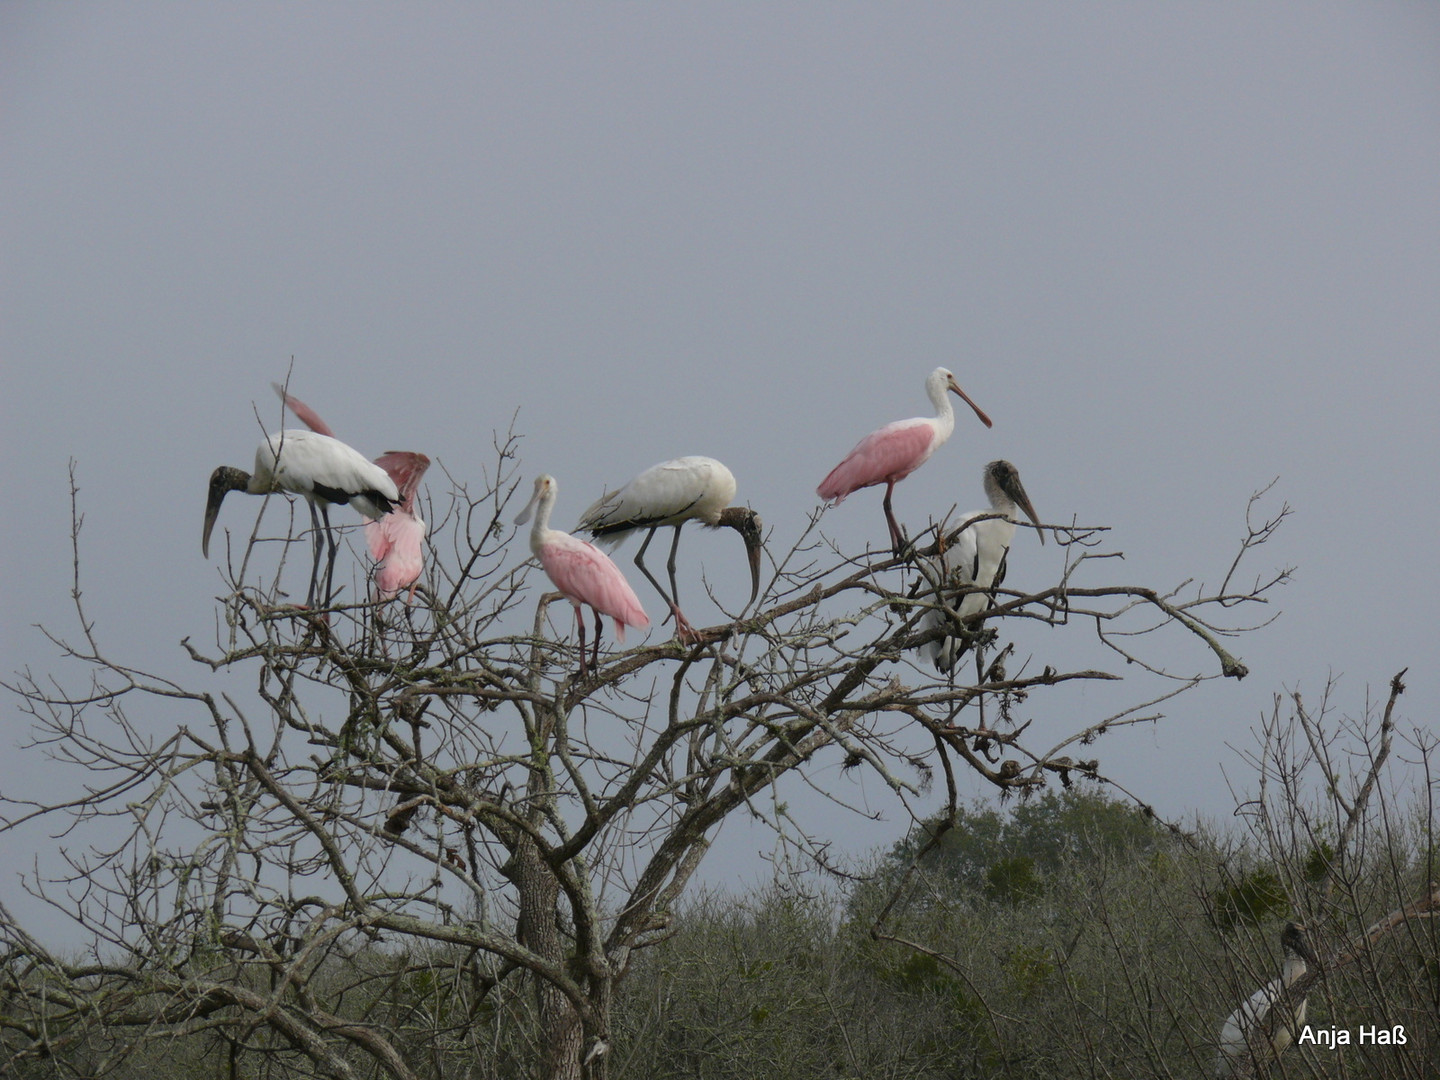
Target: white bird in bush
(1258, 1032)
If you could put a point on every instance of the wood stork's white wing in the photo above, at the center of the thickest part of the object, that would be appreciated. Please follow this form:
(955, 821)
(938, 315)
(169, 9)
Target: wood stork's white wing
(1256, 1023)
(320, 467)
(669, 493)
(977, 557)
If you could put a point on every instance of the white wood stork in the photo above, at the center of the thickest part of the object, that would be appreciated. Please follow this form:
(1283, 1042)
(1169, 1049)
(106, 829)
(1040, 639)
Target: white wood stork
(396, 540)
(672, 493)
(321, 469)
(1258, 1032)
(979, 556)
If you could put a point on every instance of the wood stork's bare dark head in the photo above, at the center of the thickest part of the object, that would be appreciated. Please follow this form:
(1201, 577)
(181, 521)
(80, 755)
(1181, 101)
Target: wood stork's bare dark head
(223, 480)
(747, 523)
(1005, 491)
(1294, 943)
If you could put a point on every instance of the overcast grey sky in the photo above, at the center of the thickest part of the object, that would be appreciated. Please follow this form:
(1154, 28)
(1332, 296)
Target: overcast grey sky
(1175, 250)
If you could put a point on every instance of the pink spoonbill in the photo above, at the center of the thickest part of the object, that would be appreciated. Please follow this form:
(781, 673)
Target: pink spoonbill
(397, 540)
(582, 572)
(318, 467)
(672, 493)
(893, 452)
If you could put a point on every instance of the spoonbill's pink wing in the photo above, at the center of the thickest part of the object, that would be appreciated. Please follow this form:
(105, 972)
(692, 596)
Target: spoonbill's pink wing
(584, 573)
(406, 468)
(891, 453)
(397, 541)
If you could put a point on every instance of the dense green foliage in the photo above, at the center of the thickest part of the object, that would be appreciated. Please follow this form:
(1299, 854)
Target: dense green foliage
(1068, 936)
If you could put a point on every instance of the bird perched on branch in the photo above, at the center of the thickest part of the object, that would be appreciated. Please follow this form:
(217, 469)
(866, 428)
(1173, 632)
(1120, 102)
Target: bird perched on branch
(1258, 1032)
(979, 556)
(582, 572)
(672, 493)
(321, 469)
(891, 453)
(396, 540)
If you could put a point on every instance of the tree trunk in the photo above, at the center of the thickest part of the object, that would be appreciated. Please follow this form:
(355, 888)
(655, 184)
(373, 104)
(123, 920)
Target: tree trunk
(560, 1033)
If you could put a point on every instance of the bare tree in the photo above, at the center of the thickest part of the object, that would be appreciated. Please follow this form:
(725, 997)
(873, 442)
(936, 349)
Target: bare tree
(411, 841)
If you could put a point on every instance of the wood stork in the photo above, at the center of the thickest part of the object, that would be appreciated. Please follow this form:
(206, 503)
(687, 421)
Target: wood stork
(1258, 1032)
(318, 467)
(896, 450)
(672, 493)
(582, 572)
(979, 555)
(397, 540)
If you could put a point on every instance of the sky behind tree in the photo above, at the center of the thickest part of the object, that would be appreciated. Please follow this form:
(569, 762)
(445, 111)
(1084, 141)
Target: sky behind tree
(1175, 251)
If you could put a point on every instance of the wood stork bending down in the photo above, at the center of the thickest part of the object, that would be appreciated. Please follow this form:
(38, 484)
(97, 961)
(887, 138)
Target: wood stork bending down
(896, 450)
(672, 493)
(1258, 1032)
(397, 540)
(321, 469)
(582, 572)
(979, 556)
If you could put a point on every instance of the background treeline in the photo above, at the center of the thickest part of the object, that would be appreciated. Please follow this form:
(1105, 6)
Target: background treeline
(1070, 935)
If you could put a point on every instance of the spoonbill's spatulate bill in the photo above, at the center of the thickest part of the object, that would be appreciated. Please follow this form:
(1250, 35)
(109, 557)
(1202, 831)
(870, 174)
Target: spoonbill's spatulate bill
(979, 556)
(896, 450)
(672, 493)
(580, 571)
(322, 470)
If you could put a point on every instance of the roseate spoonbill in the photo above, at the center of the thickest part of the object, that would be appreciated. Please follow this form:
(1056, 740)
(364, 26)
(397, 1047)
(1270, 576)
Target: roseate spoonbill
(672, 493)
(896, 450)
(582, 572)
(397, 540)
(979, 555)
(1258, 1032)
(323, 470)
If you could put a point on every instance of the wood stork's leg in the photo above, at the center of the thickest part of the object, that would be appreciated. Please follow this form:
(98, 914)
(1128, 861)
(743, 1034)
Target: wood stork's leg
(319, 549)
(670, 566)
(682, 627)
(640, 562)
(683, 630)
(896, 539)
(334, 549)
